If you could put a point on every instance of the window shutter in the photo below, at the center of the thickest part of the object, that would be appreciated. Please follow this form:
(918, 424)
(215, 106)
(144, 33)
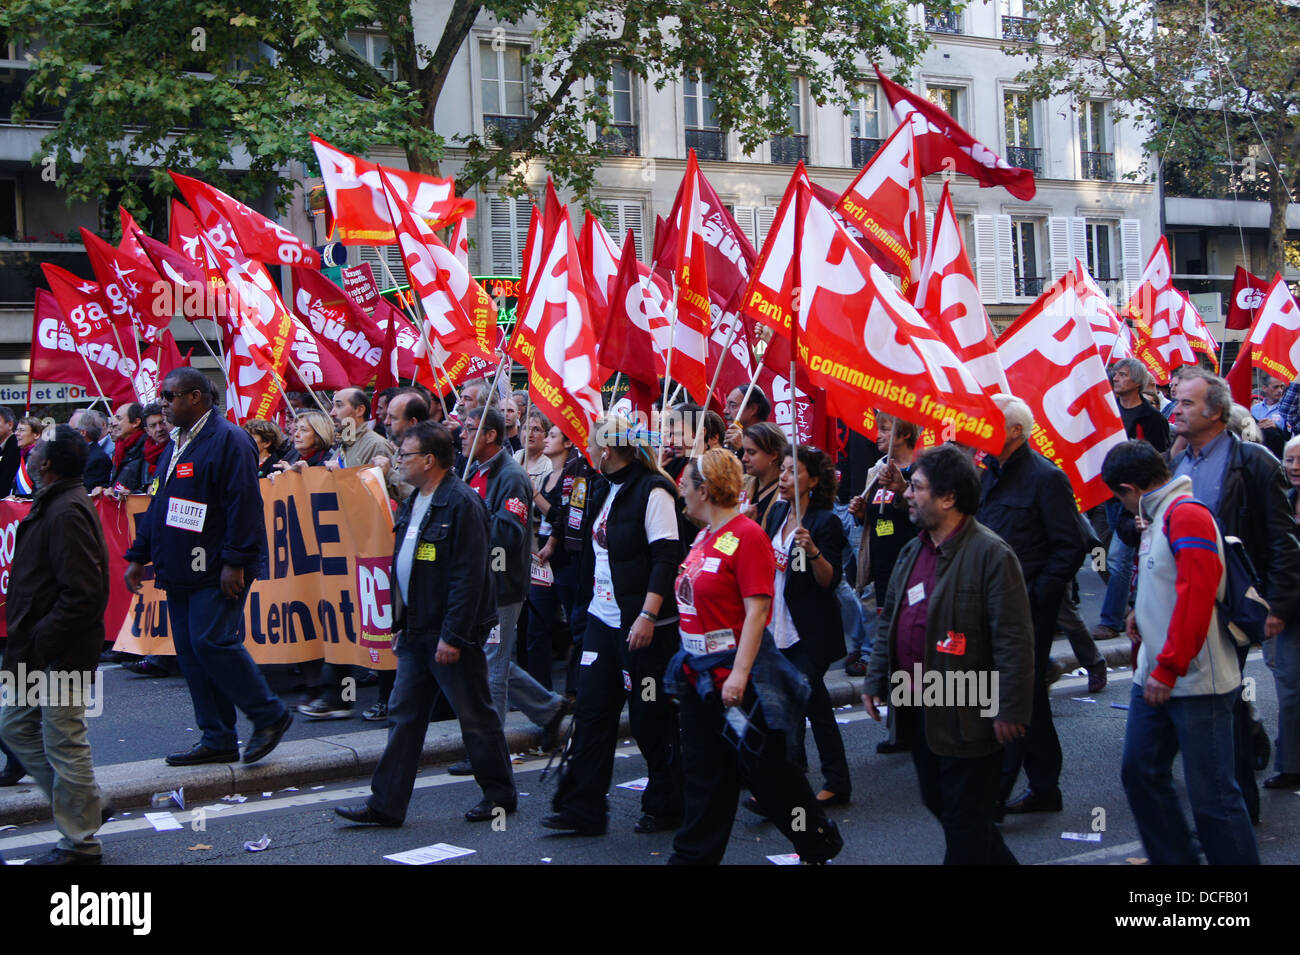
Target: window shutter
(747, 219)
(986, 259)
(633, 218)
(766, 215)
(1130, 244)
(929, 226)
(1006, 267)
(502, 236)
(1058, 245)
(1078, 240)
(392, 254)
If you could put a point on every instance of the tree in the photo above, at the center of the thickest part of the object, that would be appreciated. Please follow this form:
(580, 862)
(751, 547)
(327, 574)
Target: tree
(1219, 99)
(196, 84)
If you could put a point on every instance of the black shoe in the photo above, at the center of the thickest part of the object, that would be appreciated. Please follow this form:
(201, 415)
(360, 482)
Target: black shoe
(648, 823)
(1030, 801)
(369, 678)
(365, 816)
(551, 732)
(322, 709)
(265, 740)
(1283, 781)
(835, 843)
(106, 810)
(1263, 748)
(58, 856)
(888, 747)
(144, 668)
(200, 754)
(752, 805)
(485, 810)
(1000, 811)
(460, 768)
(13, 772)
(563, 822)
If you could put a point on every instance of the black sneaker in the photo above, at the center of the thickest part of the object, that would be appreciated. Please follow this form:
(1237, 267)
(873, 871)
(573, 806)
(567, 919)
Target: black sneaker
(322, 709)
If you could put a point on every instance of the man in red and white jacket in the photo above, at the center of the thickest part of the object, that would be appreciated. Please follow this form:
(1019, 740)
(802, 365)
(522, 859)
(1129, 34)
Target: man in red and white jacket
(1186, 678)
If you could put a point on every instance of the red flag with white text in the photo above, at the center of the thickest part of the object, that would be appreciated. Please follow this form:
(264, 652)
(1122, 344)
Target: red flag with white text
(1275, 338)
(262, 239)
(1247, 296)
(1113, 337)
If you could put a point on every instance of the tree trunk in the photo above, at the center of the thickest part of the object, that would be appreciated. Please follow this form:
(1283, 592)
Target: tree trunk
(1278, 201)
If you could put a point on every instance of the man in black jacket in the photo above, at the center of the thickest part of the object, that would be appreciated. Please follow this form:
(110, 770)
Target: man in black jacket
(99, 467)
(1027, 501)
(9, 457)
(1243, 484)
(445, 606)
(58, 591)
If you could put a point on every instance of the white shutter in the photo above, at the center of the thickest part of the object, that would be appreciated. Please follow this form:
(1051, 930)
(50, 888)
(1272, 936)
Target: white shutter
(1058, 247)
(1078, 241)
(392, 254)
(765, 215)
(1006, 267)
(1130, 245)
(633, 218)
(929, 226)
(505, 258)
(986, 259)
(747, 219)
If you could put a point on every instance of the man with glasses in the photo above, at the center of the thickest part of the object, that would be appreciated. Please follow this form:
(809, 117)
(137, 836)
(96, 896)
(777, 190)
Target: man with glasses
(445, 606)
(205, 535)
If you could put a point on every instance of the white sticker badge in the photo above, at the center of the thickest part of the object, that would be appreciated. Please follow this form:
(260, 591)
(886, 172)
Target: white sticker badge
(186, 515)
(915, 594)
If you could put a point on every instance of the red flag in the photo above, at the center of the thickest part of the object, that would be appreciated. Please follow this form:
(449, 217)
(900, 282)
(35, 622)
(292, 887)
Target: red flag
(118, 282)
(153, 298)
(858, 337)
(355, 191)
(340, 325)
(939, 138)
(165, 356)
(459, 243)
(600, 258)
(81, 302)
(1240, 379)
(1114, 340)
(386, 374)
(1247, 296)
(393, 323)
(948, 298)
(261, 238)
(1154, 307)
(562, 369)
(1195, 332)
(693, 318)
(628, 343)
(887, 205)
(189, 282)
(58, 356)
(1275, 338)
(1052, 363)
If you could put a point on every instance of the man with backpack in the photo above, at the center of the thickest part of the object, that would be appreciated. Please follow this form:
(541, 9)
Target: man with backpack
(1187, 677)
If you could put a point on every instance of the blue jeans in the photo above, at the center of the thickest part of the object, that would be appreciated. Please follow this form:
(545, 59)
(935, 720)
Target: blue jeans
(856, 634)
(218, 670)
(1201, 727)
(544, 603)
(1282, 654)
(509, 683)
(1119, 562)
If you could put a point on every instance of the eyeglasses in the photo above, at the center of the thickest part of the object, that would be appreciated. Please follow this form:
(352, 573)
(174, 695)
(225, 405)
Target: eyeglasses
(403, 455)
(169, 396)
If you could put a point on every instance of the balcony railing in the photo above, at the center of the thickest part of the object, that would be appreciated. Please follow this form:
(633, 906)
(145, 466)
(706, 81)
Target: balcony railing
(1216, 182)
(1029, 286)
(1026, 157)
(1098, 165)
(502, 129)
(939, 22)
(707, 143)
(1020, 28)
(862, 149)
(621, 139)
(788, 150)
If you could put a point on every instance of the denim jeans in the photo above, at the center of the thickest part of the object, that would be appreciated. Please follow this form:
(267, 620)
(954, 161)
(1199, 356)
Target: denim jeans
(1119, 561)
(51, 743)
(510, 683)
(1201, 727)
(856, 634)
(420, 680)
(218, 670)
(1282, 654)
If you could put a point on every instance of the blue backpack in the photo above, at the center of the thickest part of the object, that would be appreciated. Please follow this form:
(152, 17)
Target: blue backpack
(1243, 609)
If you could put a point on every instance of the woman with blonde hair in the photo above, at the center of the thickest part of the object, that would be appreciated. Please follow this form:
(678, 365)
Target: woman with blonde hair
(740, 698)
(625, 578)
(313, 436)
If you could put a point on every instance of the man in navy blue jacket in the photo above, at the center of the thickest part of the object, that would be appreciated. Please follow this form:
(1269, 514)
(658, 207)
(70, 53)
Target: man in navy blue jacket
(205, 535)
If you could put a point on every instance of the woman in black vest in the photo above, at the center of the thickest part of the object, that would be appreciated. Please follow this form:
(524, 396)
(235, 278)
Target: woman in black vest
(625, 579)
(806, 621)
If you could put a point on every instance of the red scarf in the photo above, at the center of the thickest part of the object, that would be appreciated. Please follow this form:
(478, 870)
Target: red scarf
(125, 445)
(152, 452)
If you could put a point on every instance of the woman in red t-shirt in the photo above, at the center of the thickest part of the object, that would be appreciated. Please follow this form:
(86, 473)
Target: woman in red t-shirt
(735, 680)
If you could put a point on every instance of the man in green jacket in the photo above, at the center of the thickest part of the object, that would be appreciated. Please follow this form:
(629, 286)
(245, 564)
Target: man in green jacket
(957, 661)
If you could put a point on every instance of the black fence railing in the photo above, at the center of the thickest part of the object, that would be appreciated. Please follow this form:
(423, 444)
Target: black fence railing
(1026, 157)
(502, 129)
(1020, 28)
(1217, 182)
(1098, 165)
(939, 22)
(863, 149)
(1029, 286)
(788, 150)
(707, 143)
(621, 139)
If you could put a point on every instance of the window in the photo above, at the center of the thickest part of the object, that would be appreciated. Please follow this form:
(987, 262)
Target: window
(941, 21)
(702, 131)
(1025, 258)
(864, 123)
(9, 218)
(1097, 160)
(620, 136)
(1022, 132)
(375, 49)
(508, 232)
(948, 99)
(620, 96)
(502, 80)
(793, 147)
(621, 215)
(1018, 21)
(384, 255)
(1101, 250)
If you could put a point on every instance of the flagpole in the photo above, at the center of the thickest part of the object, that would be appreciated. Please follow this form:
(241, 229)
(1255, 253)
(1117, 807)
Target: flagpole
(473, 448)
(303, 381)
(735, 327)
(668, 367)
(420, 324)
(220, 364)
(122, 349)
(801, 216)
(93, 377)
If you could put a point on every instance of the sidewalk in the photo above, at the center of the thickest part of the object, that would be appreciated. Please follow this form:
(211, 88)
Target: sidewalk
(336, 756)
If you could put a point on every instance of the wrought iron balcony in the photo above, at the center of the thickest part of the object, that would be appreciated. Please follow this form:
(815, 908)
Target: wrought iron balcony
(862, 149)
(940, 22)
(502, 129)
(707, 143)
(1029, 286)
(1026, 157)
(1020, 28)
(788, 150)
(1098, 165)
(621, 139)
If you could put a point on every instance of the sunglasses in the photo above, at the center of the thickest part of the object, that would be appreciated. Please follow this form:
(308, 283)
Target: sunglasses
(170, 396)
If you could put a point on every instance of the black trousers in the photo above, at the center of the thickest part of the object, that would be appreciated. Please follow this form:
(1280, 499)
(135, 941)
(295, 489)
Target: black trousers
(715, 771)
(826, 732)
(1243, 733)
(961, 793)
(602, 690)
(1039, 750)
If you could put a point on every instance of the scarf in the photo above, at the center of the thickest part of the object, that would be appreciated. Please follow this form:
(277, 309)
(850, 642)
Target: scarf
(124, 445)
(152, 452)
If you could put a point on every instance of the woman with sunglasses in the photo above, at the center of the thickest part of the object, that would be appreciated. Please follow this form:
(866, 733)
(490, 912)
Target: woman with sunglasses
(625, 578)
(740, 698)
